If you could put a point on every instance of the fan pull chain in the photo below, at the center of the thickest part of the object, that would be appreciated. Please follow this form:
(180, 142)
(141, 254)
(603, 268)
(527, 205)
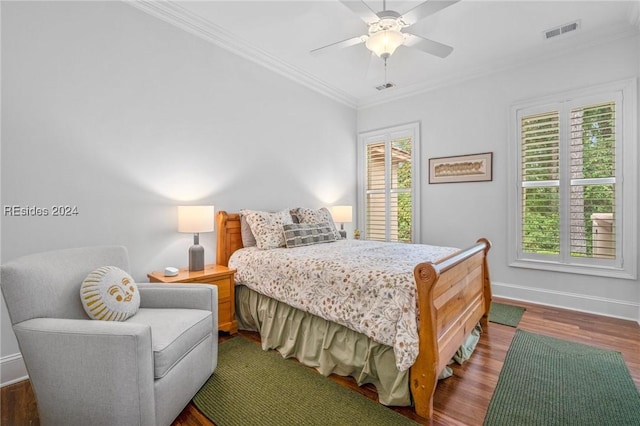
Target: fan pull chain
(385, 72)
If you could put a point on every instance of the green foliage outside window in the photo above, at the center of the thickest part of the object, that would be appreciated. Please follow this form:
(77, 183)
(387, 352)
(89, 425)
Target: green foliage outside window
(598, 161)
(404, 199)
(592, 156)
(541, 225)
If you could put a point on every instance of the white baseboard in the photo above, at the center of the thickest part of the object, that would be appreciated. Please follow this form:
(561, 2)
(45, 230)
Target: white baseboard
(622, 309)
(12, 370)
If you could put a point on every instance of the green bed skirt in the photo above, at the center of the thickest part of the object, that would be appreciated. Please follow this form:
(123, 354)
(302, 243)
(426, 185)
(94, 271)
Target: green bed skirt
(329, 347)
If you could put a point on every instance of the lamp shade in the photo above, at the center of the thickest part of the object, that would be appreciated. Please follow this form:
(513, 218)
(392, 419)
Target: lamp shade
(342, 214)
(384, 43)
(195, 219)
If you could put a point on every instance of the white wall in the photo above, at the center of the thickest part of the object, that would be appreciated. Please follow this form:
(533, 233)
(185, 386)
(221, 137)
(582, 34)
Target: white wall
(125, 116)
(473, 117)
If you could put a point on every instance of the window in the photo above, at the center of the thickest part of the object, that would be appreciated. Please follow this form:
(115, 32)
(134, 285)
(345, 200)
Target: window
(387, 184)
(572, 155)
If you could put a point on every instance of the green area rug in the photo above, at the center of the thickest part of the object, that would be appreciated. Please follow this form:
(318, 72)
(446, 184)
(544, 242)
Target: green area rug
(254, 387)
(548, 381)
(501, 313)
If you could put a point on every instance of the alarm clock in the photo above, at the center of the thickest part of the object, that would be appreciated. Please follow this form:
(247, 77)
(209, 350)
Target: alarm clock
(170, 271)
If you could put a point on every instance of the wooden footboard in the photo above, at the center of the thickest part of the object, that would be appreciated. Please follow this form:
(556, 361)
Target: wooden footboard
(453, 295)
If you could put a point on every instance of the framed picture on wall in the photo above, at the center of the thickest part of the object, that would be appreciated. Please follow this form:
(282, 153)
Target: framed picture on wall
(461, 168)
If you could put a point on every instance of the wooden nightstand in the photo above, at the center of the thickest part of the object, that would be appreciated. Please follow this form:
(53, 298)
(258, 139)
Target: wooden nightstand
(220, 276)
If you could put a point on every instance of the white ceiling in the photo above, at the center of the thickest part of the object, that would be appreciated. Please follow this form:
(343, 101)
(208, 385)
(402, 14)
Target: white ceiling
(486, 36)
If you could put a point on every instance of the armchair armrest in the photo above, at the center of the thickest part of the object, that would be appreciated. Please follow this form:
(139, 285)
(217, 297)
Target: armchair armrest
(107, 365)
(179, 296)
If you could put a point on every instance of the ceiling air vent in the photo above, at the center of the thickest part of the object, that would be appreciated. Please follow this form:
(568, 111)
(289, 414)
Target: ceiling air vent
(385, 86)
(562, 29)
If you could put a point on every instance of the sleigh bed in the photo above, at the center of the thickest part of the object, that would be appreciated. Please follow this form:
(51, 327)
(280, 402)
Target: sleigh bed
(452, 295)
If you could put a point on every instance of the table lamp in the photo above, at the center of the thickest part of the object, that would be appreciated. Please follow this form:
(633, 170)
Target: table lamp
(195, 219)
(342, 215)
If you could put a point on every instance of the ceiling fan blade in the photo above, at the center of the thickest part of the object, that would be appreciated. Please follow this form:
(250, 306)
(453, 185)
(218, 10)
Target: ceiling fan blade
(361, 9)
(428, 46)
(339, 45)
(425, 9)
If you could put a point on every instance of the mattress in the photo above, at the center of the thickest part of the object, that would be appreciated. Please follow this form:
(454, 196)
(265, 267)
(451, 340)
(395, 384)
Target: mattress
(365, 286)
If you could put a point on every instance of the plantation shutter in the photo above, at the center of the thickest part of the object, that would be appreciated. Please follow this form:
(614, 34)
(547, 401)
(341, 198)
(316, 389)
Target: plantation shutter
(540, 168)
(376, 192)
(592, 180)
(388, 194)
(568, 182)
(574, 204)
(400, 194)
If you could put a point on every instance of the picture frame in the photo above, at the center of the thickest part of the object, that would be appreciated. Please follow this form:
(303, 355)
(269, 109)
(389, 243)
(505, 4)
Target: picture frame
(461, 168)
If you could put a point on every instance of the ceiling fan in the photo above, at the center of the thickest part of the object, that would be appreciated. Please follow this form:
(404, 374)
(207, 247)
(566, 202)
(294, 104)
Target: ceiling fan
(385, 33)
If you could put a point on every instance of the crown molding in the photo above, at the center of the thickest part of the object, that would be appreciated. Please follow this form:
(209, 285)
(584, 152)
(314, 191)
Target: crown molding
(506, 64)
(171, 12)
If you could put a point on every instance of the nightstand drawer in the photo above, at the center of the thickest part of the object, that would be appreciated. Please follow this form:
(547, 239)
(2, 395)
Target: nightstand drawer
(224, 313)
(204, 280)
(224, 288)
(217, 275)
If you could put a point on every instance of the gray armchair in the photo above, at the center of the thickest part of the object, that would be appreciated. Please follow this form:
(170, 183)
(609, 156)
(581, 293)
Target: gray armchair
(142, 371)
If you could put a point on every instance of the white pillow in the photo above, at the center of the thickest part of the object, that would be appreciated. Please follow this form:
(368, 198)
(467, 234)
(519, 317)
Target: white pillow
(109, 294)
(267, 227)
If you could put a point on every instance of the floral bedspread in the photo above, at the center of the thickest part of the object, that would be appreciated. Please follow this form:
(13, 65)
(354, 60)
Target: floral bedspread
(366, 286)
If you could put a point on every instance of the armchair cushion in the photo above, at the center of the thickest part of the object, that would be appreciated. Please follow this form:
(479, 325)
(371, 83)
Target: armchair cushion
(110, 294)
(174, 333)
(81, 369)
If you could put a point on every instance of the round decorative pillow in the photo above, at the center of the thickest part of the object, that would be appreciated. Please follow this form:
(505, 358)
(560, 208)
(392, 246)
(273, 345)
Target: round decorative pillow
(109, 294)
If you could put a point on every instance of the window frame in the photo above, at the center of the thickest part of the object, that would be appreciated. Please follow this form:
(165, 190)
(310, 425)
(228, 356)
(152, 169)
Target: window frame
(387, 134)
(624, 93)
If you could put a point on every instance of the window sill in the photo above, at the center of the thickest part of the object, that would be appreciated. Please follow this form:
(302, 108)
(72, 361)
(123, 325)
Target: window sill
(599, 271)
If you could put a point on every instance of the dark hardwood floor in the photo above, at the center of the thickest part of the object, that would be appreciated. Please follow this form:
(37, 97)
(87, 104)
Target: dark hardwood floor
(461, 399)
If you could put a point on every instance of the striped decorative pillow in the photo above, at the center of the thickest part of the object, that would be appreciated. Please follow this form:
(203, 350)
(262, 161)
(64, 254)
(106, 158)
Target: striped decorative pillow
(109, 294)
(321, 215)
(304, 234)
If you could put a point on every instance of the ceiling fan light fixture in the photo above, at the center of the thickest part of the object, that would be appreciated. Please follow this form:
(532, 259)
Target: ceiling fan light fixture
(384, 43)
(385, 29)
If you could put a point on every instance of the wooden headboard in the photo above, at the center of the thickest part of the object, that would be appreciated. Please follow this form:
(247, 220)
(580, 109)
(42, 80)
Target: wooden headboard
(229, 237)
